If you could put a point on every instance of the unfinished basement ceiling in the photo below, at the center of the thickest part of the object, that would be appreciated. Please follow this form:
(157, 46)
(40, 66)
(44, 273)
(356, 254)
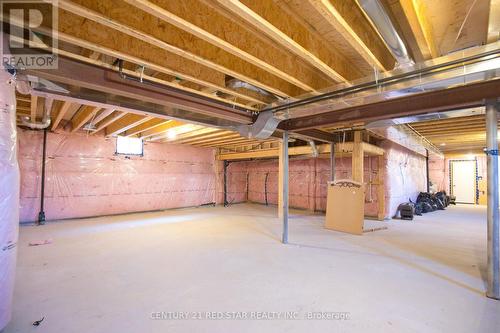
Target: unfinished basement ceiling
(455, 134)
(248, 54)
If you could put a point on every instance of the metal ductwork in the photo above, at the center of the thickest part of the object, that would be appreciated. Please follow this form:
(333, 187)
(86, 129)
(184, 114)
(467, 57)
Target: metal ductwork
(426, 117)
(459, 69)
(46, 121)
(376, 14)
(233, 83)
(315, 152)
(263, 127)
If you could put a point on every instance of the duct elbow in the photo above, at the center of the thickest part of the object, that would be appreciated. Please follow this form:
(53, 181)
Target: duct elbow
(34, 125)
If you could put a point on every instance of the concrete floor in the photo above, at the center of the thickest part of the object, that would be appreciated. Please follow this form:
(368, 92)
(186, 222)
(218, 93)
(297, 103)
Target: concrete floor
(112, 274)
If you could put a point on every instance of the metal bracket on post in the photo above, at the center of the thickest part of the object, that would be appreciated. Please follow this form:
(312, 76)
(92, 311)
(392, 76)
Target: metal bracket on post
(492, 152)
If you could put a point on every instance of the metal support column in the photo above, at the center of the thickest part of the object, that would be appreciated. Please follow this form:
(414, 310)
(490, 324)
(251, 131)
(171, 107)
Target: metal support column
(226, 163)
(284, 179)
(427, 170)
(41, 214)
(332, 161)
(493, 290)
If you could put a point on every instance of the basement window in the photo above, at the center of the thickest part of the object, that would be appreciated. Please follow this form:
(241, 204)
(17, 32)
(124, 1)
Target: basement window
(129, 146)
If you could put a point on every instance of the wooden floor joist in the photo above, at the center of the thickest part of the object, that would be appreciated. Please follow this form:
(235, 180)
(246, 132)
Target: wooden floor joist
(341, 150)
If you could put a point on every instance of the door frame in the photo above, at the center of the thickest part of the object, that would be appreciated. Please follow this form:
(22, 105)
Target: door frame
(476, 182)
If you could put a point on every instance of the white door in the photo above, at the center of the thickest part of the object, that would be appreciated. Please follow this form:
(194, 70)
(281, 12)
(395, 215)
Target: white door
(464, 181)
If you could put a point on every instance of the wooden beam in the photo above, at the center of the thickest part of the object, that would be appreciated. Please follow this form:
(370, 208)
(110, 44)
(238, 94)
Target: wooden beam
(417, 16)
(151, 78)
(381, 188)
(349, 21)
(150, 124)
(221, 141)
(34, 107)
(494, 22)
(124, 123)
(195, 139)
(111, 52)
(369, 149)
(103, 114)
(66, 106)
(83, 116)
(267, 17)
(204, 133)
(116, 115)
(198, 20)
(161, 129)
(357, 158)
(196, 50)
(341, 150)
(79, 31)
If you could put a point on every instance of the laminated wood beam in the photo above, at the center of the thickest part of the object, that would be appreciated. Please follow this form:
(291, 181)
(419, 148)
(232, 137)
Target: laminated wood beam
(83, 116)
(109, 82)
(349, 21)
(128, 121)
(229, 137)
(34, 107)
(63, 110)
(79, 31)
(341, 150)
(142, 27)
(267, 17)
(197, 18)
(103, 114)
(381, 188)
(417, 16)
(108, 121)
(357, 158)
(201, 134)
(151, 133)
(148, 125)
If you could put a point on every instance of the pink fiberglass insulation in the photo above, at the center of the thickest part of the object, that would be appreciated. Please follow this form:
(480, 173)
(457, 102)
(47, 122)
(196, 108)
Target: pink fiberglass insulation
(9, 195)
(257, 181)
(405, 176)
(85, 178)
(437, 172)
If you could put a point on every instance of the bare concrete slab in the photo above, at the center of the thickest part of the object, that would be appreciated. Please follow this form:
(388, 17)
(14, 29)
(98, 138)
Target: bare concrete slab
(149, 272)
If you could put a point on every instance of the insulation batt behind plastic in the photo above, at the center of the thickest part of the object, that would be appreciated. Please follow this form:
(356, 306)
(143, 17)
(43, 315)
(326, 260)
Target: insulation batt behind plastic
(404, 174)
(307, 178)
(85, 178)
(9, 195)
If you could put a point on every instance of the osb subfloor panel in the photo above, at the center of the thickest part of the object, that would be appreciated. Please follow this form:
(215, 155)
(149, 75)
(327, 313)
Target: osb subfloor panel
(110, 274)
